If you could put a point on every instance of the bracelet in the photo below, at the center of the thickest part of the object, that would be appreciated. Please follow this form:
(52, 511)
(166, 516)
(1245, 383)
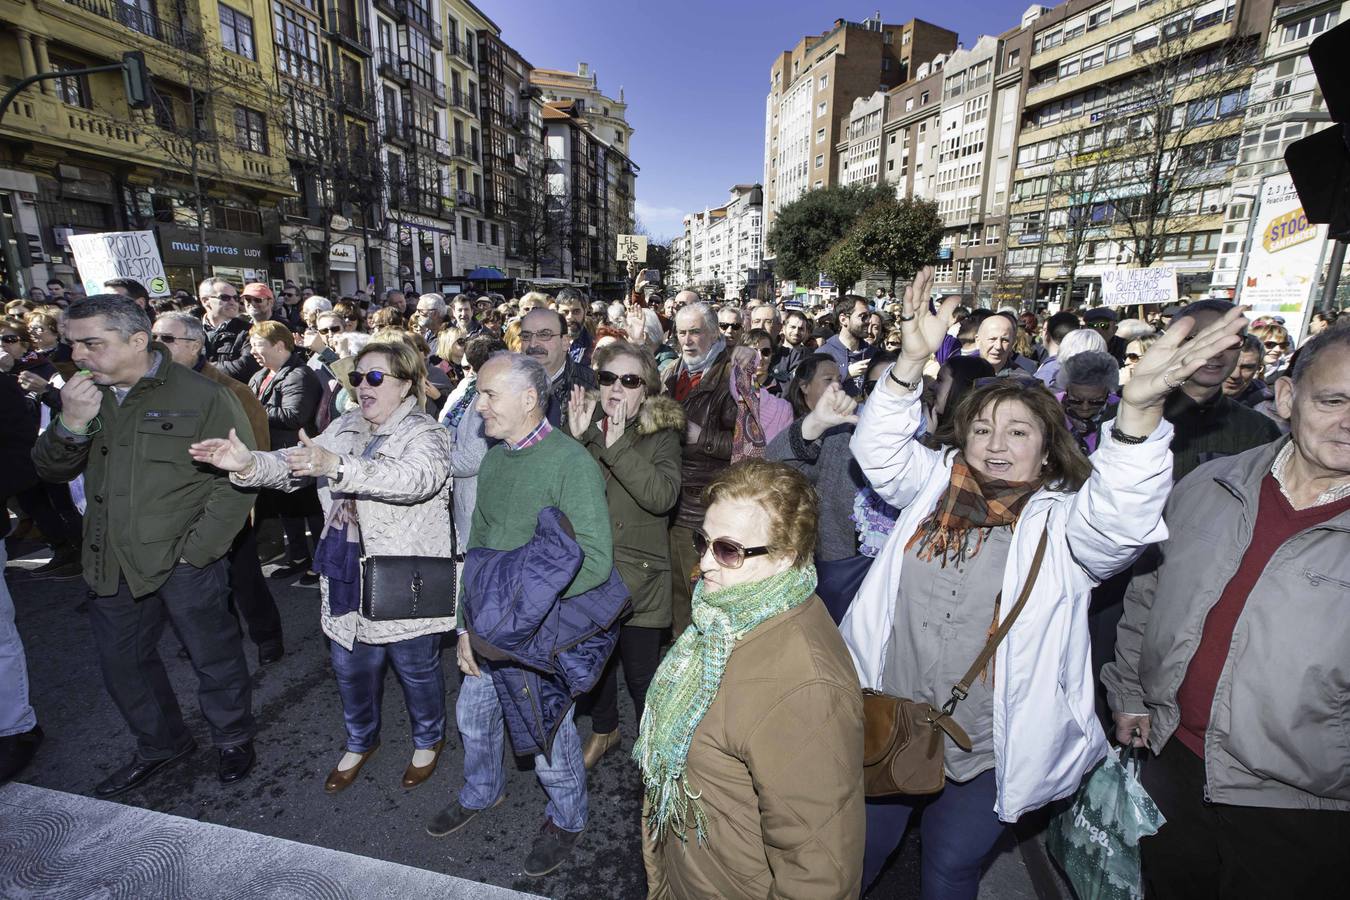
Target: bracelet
(905, 318)
(1124, 438)
(94, 427)
(907, 385)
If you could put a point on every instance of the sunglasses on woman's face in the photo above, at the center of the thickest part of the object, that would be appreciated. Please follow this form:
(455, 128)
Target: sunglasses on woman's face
(766, 352)
(1132, 357)
(376, 378)
(10, 339)
(332, 329)
(1271, 345)
(728, 553)
(608, 378)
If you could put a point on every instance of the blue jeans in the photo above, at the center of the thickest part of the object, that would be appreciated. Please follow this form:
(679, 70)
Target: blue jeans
(16, 716)
(959, 829)
(481, 728)
(360, 678)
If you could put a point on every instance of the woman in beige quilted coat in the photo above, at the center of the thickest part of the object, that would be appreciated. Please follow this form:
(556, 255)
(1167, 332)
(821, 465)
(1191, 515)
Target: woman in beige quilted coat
(383, 469)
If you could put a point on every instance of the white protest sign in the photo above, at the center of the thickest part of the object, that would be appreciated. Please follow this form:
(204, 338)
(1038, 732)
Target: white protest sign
(1127, 287)
(632, 248)
(1284, 259)
(119, 254)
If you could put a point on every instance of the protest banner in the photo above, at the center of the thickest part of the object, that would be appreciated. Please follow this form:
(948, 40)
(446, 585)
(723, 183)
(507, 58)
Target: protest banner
(119, 254)
(1129, 287)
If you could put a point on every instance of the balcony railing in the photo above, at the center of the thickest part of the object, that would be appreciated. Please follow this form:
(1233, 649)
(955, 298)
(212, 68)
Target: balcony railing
(348, 27)
(146, 23)
(443, 149)
(463, 49)
(461, 100)
(465, 150)
(470, 199)
(355, 98)
(390, 66)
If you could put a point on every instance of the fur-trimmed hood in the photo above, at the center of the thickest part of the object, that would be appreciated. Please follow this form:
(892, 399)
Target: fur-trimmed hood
(659, 413)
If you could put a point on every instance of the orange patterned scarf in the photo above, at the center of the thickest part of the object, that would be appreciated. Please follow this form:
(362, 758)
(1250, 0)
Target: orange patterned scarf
(965, 513)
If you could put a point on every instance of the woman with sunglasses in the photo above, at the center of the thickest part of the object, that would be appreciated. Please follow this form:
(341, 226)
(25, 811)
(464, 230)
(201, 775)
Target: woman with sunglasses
(383, 476)
(635, 435)
(1274, 337)
(751, 743)
(972, 516)
(1090, 383)
(1134, 351)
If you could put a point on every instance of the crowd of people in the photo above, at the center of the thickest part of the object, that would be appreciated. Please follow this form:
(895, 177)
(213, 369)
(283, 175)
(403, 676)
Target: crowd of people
(752, 510)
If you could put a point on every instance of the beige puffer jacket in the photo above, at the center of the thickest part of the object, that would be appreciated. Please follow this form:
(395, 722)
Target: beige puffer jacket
(402, 500)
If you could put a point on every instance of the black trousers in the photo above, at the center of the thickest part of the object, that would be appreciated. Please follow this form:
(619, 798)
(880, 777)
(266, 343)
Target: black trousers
(127, 632)
(640, 652)
(1213, 850)
(250, 596)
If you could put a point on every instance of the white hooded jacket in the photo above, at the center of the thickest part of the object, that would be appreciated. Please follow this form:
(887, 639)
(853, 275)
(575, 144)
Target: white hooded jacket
(1046, 732)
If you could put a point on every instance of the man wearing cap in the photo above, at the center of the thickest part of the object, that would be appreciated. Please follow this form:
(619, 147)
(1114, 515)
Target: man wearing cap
(258, 302)
(1103, 319)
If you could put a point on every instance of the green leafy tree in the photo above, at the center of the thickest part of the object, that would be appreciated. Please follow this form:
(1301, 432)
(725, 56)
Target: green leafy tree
(843, 264)
(805, 229)
(898, 236)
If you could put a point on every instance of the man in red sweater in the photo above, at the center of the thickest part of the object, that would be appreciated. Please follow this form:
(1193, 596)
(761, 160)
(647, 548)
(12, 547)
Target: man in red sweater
(1233, 658)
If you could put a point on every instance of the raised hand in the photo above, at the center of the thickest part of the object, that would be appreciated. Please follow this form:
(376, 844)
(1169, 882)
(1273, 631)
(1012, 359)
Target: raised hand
(309, 460)
(1173, 358)
(833, 408)
(227, 454)
(580, 409)
(922, 331)
(615, 425)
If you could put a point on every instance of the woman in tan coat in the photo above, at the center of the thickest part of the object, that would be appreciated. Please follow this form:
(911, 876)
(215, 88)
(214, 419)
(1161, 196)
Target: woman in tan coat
(752, 740)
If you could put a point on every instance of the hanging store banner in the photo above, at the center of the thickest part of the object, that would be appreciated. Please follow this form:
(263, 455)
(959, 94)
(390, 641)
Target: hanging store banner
(1128, 287)
(1284, 258)
(119, 254)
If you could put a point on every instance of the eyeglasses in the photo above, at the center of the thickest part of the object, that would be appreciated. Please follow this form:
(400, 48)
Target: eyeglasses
(351, 319)
(169, 339)
(1101, 324)
(1271, 345)
(766, 352)
(1132, 357)
(728, 325)
(10, 339)
(334, 329)
(728, 553)
(607, 378)
(527, 337)
(234, 297)
(1071, 400)
(376, 378)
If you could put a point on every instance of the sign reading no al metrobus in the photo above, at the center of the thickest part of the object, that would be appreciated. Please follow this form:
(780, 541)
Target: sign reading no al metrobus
(1128, 287)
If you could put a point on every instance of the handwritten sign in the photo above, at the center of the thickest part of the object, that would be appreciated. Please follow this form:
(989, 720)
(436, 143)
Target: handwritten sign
(119, 254)
(632, 248)
(1127, 287)
(1283, 263)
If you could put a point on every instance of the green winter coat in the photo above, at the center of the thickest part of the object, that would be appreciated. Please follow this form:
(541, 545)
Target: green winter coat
(642, 486)
(149, 504)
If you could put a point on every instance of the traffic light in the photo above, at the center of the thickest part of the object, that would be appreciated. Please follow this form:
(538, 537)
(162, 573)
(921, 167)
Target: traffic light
(1320, 163)
(136, 79)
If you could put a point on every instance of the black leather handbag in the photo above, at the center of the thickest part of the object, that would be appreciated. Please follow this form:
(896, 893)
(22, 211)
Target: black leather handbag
(410, 587)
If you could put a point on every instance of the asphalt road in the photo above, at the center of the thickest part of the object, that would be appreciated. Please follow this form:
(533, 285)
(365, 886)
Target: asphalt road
(301, 738)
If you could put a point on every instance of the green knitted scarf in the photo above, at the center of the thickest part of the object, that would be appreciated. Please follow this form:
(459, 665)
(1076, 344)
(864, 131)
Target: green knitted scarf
(686, 684)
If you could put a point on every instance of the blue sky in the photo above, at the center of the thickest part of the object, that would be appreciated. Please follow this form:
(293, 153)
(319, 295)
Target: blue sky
(695, 74)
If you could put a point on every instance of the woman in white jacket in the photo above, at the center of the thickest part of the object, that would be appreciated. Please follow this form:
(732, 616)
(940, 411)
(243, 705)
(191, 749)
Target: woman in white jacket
(971, 515)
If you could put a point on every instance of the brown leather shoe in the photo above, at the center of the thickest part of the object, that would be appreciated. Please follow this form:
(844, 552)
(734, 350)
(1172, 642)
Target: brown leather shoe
(415, 775)
(597, 745)
(341, 779)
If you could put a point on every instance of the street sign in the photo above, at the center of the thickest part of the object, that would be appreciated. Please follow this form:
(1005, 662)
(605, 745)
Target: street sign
(106, 255)
(633, 248)
(1127, 287)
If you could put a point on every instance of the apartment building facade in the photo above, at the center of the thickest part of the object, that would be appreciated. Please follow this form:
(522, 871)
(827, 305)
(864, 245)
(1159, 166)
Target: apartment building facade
(812, 89)
(75, 159)
(721, 250)
(1285, 105)
(608, 116)
(1112, 85)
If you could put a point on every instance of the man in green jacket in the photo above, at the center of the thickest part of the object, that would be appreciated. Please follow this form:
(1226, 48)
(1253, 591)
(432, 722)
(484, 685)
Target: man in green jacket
(156, 531)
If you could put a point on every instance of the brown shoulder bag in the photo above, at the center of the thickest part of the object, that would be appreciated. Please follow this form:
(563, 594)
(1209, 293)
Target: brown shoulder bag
(902, 739)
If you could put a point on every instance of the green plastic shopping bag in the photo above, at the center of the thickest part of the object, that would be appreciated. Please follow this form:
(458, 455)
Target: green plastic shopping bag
(1096, 840)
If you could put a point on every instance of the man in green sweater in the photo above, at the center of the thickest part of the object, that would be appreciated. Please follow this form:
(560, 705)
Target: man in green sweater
(532, 467)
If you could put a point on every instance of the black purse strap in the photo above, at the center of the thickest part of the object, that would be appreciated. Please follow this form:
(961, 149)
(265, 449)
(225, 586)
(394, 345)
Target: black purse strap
(962, 688)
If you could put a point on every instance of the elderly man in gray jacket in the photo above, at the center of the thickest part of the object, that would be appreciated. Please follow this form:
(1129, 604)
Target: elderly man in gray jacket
(1233, 658)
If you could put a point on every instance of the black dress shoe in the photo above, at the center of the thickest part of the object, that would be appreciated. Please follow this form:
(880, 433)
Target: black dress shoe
(17, 750)
(309, 579)
(236, 762)
(135, 772)
(270, 652)
(290, 570)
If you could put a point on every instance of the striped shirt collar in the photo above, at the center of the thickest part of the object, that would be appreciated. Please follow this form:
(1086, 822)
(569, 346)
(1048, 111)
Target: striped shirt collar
(540, 432)
(1330, 495)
